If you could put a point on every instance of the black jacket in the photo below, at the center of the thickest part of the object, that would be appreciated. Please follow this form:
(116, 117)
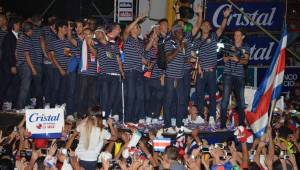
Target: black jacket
(8, 52)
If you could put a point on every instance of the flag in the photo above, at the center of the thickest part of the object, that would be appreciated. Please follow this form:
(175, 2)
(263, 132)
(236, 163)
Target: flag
(84, 57)
(160, 144)
(268, 91)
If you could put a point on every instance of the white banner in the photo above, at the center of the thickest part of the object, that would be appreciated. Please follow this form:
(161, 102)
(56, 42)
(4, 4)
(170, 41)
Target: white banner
(45, 123)
(125, 10)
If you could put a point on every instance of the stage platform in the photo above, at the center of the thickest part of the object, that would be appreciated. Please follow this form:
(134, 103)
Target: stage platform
(10, 119)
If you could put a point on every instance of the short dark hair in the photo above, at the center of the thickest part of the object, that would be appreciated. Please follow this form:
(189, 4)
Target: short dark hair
(12, 21)
(60, 24)
(27, 26)
(172, 152)
(163, 20)
(240, 30)
(110, 27)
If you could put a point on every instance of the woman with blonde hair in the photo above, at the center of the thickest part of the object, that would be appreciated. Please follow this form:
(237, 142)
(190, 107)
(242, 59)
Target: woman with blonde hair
(91, 141)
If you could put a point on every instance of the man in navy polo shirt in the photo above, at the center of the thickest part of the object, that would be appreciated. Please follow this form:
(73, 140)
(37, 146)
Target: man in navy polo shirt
(87, 97)
(39, 48)
(25, 63)
(49, 33)
(111, 67)
(134, 59)
(60, 51)
(206, 45)
(234, 77)
(76, 41)
(177, 52)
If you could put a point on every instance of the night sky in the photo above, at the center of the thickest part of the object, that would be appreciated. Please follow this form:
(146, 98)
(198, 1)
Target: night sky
(61, 8)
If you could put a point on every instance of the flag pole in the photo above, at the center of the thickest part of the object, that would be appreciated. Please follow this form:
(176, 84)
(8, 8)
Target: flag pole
(263, 29)
(273, 104)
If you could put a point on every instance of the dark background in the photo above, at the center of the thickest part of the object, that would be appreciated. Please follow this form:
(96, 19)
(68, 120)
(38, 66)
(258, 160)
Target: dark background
(62, 8)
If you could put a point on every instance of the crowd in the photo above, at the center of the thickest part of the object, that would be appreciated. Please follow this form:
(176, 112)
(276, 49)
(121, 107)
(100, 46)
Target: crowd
(89, 144)
(79, 65)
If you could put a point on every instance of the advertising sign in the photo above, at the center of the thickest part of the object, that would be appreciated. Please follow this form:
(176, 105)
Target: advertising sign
(125, 10)
(45, 123)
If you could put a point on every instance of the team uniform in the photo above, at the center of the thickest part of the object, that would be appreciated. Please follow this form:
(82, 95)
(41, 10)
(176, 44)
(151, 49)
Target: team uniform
(154, 91)
(208, 63)
(24, 44)
(59, 81)
(174, 88)
(234, 80)
(48, 72)
(108, 55)
(87, 85)
(134, 85)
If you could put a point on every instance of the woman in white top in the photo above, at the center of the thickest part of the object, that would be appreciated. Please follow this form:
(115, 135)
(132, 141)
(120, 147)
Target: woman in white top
(91, 141)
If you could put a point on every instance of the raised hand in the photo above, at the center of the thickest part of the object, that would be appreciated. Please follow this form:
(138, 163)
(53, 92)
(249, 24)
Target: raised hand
(198, 9)
(227, 12)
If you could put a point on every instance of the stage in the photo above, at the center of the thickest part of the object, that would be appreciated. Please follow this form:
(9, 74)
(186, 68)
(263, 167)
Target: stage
(10, 119)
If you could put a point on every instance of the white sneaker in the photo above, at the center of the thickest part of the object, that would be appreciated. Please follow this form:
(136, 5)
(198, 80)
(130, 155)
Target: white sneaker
(154, 121)
(142, 121)
(185, 129)
(171, 130)
(47, 106)
(148, 120)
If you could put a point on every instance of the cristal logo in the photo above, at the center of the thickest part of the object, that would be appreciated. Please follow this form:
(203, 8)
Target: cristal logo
(263, 19)
(261, 53)
(37, 117)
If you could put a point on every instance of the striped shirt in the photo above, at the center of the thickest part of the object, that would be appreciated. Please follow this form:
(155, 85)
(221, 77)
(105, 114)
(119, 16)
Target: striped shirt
(188, 50)
(207, 49)
(134, 51)
(24, 44)
(237, 69)
(76, 51)
(151, 55)
(49, 35)
(58, 46)
(37, 57)
(92, 65)
(175, 67)
(107, 56)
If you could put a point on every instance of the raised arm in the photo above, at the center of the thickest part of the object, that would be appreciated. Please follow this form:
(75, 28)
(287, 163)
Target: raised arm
(130, 26)
(198, 11)
(69, 35)
(221, 29)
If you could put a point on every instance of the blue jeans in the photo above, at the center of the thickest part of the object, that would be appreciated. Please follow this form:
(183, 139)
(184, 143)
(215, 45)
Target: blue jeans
(48, 81)
(154, 94)
(186, 85)
(27, 81)
(109, 92)
(71, 86)
(174, 102)
(58, 95)
(88, 165)
(237, 85)
(206, 83)
(87, 97)
(134, 100)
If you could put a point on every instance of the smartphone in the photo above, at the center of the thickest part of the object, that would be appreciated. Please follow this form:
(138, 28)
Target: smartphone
(205, 150)
(219, 145)
(44, 151)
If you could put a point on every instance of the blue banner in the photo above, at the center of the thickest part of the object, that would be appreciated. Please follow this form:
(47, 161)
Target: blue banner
(267, 14)
(291, 75)
(262, 49)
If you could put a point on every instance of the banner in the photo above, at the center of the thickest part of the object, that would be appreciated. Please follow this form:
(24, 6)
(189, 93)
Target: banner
(267, 14)
(291, 75)
(45, 123)
(261, 49)
(125, 10)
